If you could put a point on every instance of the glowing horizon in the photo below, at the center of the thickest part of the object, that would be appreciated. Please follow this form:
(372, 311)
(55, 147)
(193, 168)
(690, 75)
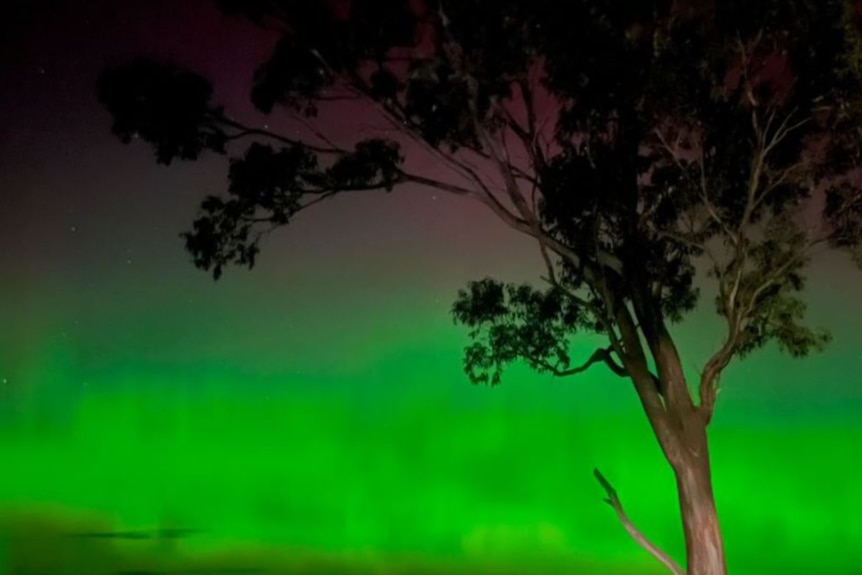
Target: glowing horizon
(477, 477)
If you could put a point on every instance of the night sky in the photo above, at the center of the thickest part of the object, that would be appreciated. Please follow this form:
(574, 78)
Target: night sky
(314, 410)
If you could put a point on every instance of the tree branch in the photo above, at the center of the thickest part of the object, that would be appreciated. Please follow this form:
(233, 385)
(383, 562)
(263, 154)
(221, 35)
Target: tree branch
(532, 129)
(699, 184)
(736, 311)
(614, 501)
(601, 355)
(776, 276)
(708, 388)
(437, 184)
(391, 113)
(246, 131)
(531, 220)
(783, 130)
(720, 360)
(314, 130)
(519, 173)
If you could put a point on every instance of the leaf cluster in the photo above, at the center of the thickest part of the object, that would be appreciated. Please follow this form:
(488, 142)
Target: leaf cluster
(162, 104)
(511, 323)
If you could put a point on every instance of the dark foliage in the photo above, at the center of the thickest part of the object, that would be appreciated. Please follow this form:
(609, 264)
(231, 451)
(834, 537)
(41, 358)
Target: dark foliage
(652, 135)
(512, 323)
(166, 106)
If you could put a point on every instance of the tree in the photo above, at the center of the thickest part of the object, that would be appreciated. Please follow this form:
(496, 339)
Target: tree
(630, 140)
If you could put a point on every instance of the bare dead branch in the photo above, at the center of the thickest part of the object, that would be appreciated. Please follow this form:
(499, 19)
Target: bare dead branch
(614, 501)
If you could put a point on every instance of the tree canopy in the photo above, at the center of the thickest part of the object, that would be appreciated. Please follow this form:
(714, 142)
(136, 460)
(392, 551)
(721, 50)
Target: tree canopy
(631, 139)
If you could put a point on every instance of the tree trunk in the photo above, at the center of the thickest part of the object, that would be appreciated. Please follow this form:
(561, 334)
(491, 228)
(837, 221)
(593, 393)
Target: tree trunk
(680, 427)
(703, 543)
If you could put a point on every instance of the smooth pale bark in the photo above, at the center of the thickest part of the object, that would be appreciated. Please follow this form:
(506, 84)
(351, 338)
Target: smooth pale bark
(703, 542)
(686, 446)
(681, 429)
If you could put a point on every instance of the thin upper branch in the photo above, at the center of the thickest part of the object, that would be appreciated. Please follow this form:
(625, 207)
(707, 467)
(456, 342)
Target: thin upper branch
(700, 184)
(244, 131)
(721, 358)
(523, 220)
(438, 184)
(736, 311)
(392, 113)
(778, 274)
(532, 128)
(314, 130)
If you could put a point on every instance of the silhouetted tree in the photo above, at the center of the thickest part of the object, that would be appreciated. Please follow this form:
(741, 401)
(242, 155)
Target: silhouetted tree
(630, 139)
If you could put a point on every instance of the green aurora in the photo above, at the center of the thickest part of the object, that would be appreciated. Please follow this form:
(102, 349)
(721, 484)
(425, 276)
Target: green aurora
(312, 416)
(397, 461)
